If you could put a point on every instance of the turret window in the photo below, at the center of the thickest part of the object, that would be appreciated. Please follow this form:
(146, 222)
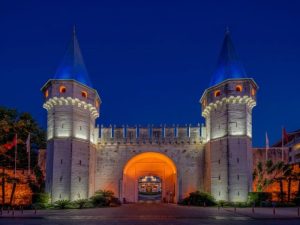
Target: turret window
(62, 89)
(217, 93)
(84, 94)
(239, 88)
(97, 103)
(253, 92)
(46, 94)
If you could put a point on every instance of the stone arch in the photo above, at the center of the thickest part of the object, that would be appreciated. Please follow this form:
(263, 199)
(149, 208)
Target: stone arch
(150, 164)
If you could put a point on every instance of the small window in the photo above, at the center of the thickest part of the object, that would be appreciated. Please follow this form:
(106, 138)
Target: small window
(60, 179)
(238, 177)
(80, 162)
(80, 128)
(219, 177)
(97, 103)
(59, 195)
(217, 93)
(219, 193)
(62, 89)
(253, 92)
(219, 161)
(46, 94)
(237, 160)
(238, 193)
(239, 88)
(62, 126)
(61, 161)
(84, 94)
(79, 179)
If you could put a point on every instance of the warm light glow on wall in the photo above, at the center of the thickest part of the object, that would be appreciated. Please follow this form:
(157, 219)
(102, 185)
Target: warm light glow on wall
(62, 89)
(147, 155)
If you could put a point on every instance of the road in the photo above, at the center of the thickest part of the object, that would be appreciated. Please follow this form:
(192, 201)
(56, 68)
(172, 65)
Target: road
(152, 214)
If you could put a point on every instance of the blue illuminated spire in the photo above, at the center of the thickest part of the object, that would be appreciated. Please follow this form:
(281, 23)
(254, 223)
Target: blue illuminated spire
(72, 66)
(229, 66)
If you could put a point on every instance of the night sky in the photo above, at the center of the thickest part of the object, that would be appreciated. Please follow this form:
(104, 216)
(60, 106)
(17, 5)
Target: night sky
(151, 60)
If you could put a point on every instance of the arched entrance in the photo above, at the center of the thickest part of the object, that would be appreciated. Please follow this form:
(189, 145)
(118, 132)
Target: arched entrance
(149, 176)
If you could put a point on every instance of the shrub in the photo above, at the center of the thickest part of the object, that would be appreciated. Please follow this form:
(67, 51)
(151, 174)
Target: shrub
(259, 198)
(104, 198)
(40, 200)
(297, 199)
(62, 204)
(80, 203)
(198, 198)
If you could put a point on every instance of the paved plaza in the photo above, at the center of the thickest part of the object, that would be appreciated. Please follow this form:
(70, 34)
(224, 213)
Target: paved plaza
(154, 214)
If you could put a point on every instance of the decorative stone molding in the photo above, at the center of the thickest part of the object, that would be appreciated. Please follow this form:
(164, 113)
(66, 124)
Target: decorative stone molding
(71, 101)
(232, 99)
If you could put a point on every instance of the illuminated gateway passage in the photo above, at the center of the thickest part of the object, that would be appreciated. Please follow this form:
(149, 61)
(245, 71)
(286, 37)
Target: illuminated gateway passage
(157, 163)
(149, 176)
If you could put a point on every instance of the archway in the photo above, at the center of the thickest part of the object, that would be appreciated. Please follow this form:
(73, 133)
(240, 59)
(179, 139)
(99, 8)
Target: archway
(150, 167)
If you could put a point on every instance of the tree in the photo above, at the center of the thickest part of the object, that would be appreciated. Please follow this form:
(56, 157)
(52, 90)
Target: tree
(13, 122)
(265, 174)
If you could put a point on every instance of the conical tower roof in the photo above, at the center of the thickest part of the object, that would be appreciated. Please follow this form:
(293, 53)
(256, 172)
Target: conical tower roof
(72, 66)
(229, 66)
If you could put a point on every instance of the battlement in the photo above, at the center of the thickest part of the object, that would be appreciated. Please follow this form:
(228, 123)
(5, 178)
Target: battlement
(152, 134)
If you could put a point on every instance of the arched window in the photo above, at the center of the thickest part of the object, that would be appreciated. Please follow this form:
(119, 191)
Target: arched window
(62, 89)
(217, 93)
(84, 94)
(239, 88)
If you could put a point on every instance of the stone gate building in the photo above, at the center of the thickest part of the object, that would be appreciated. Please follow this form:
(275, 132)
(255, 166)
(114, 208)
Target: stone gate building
(163, 163)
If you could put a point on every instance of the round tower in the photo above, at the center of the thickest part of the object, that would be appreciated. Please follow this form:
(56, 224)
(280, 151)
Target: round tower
(227, 108)
(72, 106)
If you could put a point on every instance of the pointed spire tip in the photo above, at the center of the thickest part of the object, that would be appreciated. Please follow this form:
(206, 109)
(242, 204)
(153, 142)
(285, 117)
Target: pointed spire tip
(74, 30)
(227, 30)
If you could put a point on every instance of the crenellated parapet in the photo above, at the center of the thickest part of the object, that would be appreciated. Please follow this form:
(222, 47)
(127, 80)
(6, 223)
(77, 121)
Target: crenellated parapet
(152, 134)
(249, 101)
(68, 101)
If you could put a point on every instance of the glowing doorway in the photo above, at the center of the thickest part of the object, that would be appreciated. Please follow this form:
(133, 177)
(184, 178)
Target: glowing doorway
(149, 188)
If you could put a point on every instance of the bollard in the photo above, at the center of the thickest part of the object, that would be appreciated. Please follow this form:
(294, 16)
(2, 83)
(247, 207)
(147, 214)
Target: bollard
(22, 211)
(13, 211)
(34, 210)
(7, 210)
(1, 212)
(298, 211)
(235, 209)
(253, 210)
(274, 211)
(218, 208)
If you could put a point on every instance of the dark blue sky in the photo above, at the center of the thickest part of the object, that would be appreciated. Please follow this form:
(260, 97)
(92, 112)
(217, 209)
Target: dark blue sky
(152, 60)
